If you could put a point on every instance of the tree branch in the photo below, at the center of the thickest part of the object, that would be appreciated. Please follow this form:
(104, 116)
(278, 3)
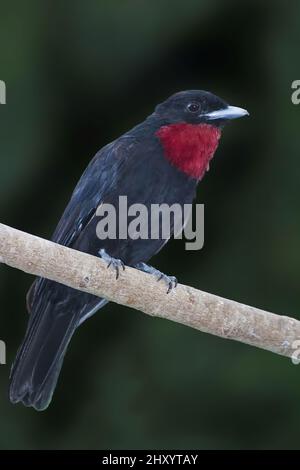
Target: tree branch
(191, 307)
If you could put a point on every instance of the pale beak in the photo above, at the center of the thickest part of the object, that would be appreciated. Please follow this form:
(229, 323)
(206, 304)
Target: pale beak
(231, 112)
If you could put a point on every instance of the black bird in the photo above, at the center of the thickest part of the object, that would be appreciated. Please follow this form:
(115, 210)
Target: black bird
(159, 161)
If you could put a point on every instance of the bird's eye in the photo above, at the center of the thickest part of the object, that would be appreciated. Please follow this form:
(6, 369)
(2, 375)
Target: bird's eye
(193, 107)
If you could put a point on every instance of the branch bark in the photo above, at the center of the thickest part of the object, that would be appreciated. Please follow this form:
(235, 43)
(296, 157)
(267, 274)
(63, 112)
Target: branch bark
(191, 307)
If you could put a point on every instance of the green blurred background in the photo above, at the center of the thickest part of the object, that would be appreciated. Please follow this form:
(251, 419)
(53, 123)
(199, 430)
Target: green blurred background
(78, 75)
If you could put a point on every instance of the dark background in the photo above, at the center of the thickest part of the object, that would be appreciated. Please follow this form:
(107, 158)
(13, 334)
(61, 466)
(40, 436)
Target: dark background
(78, 75)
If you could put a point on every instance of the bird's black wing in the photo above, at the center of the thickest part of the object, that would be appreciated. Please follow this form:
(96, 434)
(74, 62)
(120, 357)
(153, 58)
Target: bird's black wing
(100, 179)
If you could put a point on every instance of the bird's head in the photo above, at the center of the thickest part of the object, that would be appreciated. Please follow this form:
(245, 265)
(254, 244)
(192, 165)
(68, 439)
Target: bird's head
(191, 123)
(197, 107)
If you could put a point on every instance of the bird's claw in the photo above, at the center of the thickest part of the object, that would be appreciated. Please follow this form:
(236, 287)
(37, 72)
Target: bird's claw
(170, 281)
(115, 263)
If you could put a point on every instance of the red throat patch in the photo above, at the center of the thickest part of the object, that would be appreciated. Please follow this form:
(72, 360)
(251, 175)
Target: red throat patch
(189, 147)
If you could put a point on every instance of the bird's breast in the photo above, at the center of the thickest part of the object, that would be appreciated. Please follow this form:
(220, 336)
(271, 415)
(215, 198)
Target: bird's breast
(189, 147)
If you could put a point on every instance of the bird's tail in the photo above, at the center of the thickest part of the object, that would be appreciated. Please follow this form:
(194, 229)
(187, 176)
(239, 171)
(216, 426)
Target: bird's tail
(39, 360)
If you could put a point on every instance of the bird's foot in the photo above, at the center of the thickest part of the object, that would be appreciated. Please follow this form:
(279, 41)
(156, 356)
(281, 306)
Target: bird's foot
(170, 281)
(112, 262)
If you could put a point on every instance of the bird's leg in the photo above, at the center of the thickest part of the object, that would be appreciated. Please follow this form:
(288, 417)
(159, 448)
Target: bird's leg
(171, 281)
(112, 262)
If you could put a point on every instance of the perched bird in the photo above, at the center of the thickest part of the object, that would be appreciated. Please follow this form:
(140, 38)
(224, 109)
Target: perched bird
(159, 161)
